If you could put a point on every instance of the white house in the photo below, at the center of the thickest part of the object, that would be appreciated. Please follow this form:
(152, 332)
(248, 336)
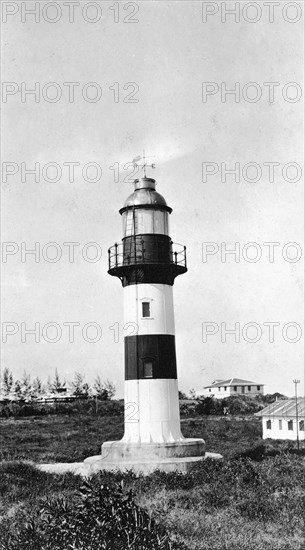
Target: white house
(280, 419)
(233, 386)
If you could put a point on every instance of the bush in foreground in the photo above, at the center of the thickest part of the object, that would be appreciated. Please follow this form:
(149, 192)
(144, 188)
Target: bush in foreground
(102, 518)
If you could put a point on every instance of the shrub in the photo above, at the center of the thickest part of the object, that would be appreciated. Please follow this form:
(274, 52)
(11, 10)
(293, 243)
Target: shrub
(243, 404)
(257, 453)
(104, 517)
(79, 406)
(208, 405)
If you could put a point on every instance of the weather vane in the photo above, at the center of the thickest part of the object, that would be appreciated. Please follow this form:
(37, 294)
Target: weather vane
(143, 166)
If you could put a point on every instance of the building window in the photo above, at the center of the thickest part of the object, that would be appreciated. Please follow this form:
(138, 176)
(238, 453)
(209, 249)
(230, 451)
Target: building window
(145, 309)
(268, 424)
(235, 388)
(225, 388)
(148, 369)
(219, 388)
(280, 424)
(290, 425)
(301, 426)
(249, 388)
(210, 389)
(258, 388)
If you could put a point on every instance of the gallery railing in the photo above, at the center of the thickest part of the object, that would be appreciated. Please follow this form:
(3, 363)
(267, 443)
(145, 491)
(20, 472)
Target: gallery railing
(140, 249)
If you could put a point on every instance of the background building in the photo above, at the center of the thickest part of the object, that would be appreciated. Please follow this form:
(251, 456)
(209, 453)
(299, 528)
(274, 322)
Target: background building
(284, 419)
(232, 386)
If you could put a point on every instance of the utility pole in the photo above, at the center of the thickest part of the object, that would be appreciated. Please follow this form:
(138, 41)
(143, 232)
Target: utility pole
(296, 382)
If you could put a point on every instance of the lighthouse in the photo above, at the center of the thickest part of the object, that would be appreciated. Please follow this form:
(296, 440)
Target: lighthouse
(147, 263)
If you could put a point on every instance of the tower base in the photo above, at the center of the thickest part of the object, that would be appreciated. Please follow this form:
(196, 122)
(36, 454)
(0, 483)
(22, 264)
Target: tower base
(144, 458)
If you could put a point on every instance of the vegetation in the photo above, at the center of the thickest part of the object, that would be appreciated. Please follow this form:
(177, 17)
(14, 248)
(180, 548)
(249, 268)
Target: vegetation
(27, 389)
(232, 405)
(73, 436)
(56, 385)
(253, 499)
(94, 517)
(239, 504)
(105, 391)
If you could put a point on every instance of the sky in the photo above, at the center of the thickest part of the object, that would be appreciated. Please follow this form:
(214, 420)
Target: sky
(150, 62)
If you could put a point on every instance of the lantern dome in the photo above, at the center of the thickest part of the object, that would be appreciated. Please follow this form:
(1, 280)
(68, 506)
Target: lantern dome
(145, 194)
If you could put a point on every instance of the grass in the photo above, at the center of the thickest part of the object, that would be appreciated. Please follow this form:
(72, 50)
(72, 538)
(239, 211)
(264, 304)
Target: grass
(235, 504)
(57, 438)
(62, 438)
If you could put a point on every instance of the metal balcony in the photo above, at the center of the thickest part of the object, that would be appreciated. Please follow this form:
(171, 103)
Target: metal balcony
(138, 250)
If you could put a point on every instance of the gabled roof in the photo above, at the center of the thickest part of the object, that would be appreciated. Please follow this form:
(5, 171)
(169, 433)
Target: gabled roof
(233, 382)
(284, 408)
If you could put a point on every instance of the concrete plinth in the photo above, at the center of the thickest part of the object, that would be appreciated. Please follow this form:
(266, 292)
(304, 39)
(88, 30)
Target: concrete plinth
(122, 455)
(96, 463)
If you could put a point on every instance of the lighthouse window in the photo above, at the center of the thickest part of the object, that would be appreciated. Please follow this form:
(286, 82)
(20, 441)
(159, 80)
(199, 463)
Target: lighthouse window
(148, 369)
(145, 309)
(144, 221)
(129, 223)
(161, 222)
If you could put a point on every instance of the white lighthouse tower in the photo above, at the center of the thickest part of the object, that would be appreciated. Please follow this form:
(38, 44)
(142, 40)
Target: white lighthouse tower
(147, 263)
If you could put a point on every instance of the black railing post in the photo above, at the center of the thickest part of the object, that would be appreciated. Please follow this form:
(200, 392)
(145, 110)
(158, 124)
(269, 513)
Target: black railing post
(175, 257)
(116, 254)
(184, 256)
(109, 262)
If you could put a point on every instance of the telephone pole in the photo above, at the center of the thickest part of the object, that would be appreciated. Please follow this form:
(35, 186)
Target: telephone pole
(296, 382)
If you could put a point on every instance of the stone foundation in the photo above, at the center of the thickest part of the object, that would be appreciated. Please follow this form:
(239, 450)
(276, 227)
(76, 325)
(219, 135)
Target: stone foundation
(146, 457)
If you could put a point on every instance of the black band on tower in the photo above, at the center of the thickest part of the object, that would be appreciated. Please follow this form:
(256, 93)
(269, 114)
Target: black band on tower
(150, 356)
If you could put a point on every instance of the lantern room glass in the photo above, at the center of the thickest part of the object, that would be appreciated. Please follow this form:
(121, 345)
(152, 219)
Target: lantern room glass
(141, 221)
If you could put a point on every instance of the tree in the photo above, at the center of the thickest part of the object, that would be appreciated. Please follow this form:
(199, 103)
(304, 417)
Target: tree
(7, 379)
(99, 389)
(49, 384)
(79, 387)
(57, 385)
(18, 389)
(103, 390)
(192, 393)
(110, 388)
(26, 385)
(243, 404)
(182, 395)
(37, 386)
(271, 397)
(207, 406)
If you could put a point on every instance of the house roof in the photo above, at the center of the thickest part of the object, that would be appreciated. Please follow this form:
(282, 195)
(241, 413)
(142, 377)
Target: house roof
(284, 408)
(233, 382)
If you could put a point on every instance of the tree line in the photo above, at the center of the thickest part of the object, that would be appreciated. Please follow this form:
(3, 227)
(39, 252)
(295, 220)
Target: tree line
(232, 405)
(30, 388)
